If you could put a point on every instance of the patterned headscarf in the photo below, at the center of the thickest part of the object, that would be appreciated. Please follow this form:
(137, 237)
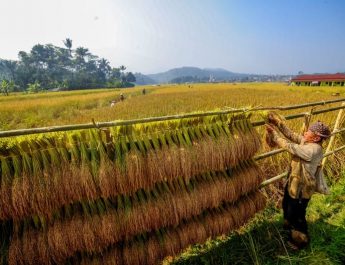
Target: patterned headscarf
(320, 129)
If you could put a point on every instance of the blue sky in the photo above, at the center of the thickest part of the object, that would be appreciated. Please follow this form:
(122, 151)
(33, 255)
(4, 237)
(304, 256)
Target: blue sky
(148, 36)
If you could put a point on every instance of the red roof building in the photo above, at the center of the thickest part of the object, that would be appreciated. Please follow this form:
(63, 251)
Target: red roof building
(319, 80)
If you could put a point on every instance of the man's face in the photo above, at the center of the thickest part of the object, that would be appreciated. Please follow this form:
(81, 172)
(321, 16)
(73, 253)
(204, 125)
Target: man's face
(309, 136)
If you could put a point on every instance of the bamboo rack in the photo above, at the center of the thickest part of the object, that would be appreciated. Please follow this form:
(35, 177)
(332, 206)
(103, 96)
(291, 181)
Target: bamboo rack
(285, 174)
(336, 130)
(281, 150)
(299, 115)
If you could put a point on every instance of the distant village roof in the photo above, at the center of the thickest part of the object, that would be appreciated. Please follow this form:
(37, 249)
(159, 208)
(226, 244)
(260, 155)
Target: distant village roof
(320, 77)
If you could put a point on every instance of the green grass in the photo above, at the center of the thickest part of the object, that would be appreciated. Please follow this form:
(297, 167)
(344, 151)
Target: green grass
(262, 241)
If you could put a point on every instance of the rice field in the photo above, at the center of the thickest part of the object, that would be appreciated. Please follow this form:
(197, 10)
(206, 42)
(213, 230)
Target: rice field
(139, 193)
(57, 108)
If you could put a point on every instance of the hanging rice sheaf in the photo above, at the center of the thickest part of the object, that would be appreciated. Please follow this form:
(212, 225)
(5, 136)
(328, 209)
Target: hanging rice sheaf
(38, 175)
(151, 248)
(128, 188)
(172, 204)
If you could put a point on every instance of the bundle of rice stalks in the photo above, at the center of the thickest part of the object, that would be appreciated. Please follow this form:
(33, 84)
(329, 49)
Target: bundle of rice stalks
(152, 248)
(147, 211)
(272, 117)
(39, 176)
(39, 181)
(156, 175)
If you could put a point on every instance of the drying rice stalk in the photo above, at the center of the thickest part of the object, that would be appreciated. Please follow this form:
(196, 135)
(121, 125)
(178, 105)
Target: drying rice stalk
(155, 246)
(36, 181)
(77, 193)
(162, 208)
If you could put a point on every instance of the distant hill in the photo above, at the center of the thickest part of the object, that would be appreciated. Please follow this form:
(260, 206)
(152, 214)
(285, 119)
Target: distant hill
(189, 74)
(197, 73)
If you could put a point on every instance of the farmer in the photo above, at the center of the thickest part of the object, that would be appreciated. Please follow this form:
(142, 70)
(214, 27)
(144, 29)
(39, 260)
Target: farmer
(122, 97)
(307, 155)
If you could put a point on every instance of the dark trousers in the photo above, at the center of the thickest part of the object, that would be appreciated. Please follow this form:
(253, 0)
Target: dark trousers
(294, 212)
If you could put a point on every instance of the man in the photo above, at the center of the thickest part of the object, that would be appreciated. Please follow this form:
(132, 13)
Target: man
(307, 155)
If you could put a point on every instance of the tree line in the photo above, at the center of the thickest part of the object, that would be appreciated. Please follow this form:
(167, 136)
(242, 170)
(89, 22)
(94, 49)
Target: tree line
(51, 67)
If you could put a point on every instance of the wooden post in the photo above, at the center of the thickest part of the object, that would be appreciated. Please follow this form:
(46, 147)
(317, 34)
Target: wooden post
(331, 140)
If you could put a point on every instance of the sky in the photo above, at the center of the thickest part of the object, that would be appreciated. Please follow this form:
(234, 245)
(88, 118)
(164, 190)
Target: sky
(150, 36)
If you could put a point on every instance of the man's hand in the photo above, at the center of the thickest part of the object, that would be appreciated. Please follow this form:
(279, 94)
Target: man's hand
(274, 119)
(270, 136)
(269, 128)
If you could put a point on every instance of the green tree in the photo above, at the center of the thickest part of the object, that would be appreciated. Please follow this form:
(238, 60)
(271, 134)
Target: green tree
(4, 87)
(115, 74)
(104, 70)
(130, 77)
(34, 87)
(50, 66)
(81, 53)
(10, 66)
(7, 87)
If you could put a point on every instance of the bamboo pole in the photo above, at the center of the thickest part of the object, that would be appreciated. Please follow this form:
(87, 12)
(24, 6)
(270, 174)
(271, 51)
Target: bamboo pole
(268, 154)
(306, 122)
(331, 141)
(300, 115)
(274, 179)
(307, 118)
(338, 131)
(308, 104)
(111, 123)
(165, 118)
(285, 174)
(334, 151)
(281, 150)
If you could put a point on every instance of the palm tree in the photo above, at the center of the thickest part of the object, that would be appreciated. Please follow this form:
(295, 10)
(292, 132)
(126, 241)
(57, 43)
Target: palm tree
(81, 52)
(68, 44)
(104, 69)
(104, 65)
